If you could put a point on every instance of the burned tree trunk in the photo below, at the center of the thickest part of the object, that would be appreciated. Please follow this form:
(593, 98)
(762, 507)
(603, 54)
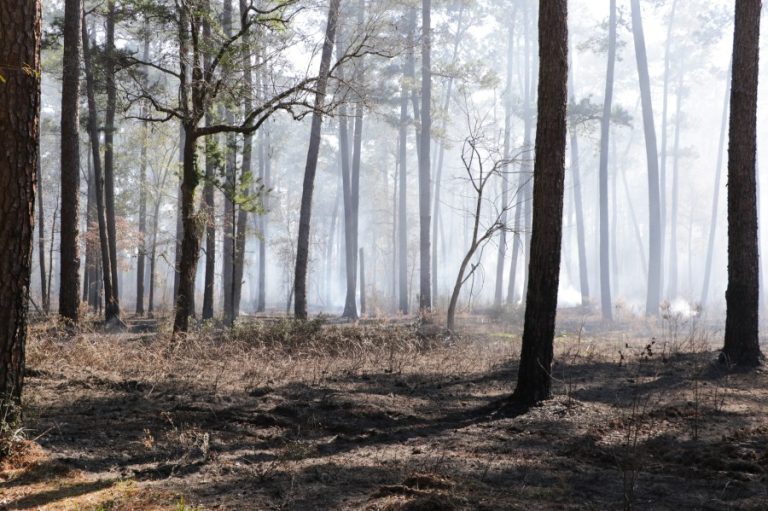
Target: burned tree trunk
(741, 345)
(534, 376)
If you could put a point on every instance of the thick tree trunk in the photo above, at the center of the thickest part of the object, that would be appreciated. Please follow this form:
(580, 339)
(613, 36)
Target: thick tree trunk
(109, 150)
(302, 250)
(425, 184)
(69, 291)
(111, 308)
(652, 157)
(741, 345)
(605, 134)
(716, 192)
(190, 244)
(19, 145)
(534, 375)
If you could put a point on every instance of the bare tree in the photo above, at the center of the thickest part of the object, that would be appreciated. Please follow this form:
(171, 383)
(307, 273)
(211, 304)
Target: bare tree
(482, 170)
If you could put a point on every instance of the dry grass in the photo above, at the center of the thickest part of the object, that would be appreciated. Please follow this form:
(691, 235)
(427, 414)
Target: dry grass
(390, 415)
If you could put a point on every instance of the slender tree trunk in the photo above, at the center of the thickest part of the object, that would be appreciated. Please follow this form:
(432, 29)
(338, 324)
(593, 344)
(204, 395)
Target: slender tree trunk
(439, 162)
(664, 136)
(19, 144)
(302, 250)
(111, 308)
(741, 346)
(402, 216)
(425, 291)
(716, 193)
(672, 285)
(605, 134)
(109, 150)
(153, 259)
(534, 375)
(41, 238)
(242, 214)
(208, 206)
(652, 156)
(229, 223)
(264, 219)
(578, 206)
(362, 282)
(505, 174)
(142, 252)
(69, 291)
(88, 279)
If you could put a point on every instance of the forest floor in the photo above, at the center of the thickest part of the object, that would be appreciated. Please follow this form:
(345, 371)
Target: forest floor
(387, 416)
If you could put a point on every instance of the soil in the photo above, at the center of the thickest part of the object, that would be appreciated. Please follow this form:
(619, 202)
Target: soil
(383, 417)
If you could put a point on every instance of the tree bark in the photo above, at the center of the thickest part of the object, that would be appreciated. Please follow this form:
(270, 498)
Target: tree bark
(208, 209)
(605, 134)
(652, 157)
(69, 291)
(109, 150)
(229, 223)
(142, 252)
(41, 238)
(402, 217)
(425, 184)
(362, 282)
(741, 346)
(534, 375)
(19, 145)
(302, 250)
(242, 214)
(111, 308)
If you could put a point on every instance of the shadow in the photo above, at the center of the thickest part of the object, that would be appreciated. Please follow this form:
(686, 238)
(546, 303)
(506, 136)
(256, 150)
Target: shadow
(45, 498)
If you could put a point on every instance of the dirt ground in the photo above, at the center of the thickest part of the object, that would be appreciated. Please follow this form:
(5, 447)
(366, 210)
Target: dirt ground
(387, 416)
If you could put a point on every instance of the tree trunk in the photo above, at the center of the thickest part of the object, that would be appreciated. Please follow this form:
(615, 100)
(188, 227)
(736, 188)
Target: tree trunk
(652, 157)
(230, 184)
(190, 243)
(425, 291)
(362, 282)
(153, 259)
(263, 219)
(41, 238)
(109, 150)
(505, 174)
(578, 206)
(716, 193)
(402, 216)
(534, 375)
(605, 134)
(302, 250)
(741, 345)
(69, 291)
(19, 145)
(111, 308)
(672, 284)
(664, 136)
(242, 214)
(142, 252)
